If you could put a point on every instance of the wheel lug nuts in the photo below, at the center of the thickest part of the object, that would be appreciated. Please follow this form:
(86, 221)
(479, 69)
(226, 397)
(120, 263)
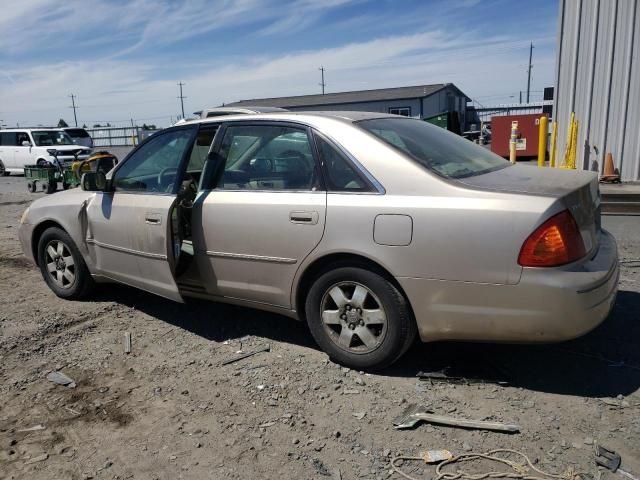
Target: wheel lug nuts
(352, 326)
(343, 316)
(361, 323)
(348, 307)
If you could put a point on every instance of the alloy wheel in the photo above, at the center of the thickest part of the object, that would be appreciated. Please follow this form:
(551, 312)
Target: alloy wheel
(353, 317)
(60, 264)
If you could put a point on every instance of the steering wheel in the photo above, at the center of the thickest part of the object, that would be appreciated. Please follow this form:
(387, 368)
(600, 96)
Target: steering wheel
(163, 183)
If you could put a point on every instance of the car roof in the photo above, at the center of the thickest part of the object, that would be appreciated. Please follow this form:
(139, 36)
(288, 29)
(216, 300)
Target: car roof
(346, 116)
(242, 109)
(39, 129)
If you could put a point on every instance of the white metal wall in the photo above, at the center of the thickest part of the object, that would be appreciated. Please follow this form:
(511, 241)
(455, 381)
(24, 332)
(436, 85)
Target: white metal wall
(598, 78)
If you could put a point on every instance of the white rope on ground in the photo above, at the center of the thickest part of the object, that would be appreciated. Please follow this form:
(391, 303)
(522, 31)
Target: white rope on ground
(520, 470)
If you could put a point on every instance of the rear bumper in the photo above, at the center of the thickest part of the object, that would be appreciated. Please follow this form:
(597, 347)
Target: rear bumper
(547, 305)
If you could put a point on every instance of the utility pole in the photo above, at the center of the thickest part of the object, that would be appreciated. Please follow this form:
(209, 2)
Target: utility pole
(520, 96)
(181, 97)
(322, 84)
(529, 71)
(73, 105)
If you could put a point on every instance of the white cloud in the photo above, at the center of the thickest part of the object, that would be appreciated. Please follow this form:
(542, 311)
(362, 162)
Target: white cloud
(133, 91)
(120, 88)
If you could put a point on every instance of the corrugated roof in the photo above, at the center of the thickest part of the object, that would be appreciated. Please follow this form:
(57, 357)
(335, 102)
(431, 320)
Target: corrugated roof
(380, 94)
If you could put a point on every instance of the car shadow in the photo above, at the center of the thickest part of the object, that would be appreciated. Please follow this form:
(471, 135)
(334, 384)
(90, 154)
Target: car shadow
(603, 363)
(211, 320)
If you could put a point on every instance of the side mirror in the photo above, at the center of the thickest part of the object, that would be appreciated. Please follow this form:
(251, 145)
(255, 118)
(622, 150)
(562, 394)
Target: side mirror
(26, 143)
(93, 182)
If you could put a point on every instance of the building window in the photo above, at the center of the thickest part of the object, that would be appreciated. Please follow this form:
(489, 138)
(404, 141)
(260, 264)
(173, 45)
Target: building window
(404, 111)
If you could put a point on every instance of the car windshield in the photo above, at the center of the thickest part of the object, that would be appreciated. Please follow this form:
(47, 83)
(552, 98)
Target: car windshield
(434, 148)
(45, 138)
(77, 133)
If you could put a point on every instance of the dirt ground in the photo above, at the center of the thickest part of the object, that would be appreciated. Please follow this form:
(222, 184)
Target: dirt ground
(169, 410)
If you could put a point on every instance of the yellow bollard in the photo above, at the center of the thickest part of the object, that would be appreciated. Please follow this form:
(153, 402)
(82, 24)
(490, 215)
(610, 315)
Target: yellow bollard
(569, 151)
(552, 153)
(512, 142)
(542, 140)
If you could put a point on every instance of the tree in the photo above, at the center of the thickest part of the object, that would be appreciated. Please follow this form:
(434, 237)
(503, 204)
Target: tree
(62, 123)
(97, 125)
(84, 126)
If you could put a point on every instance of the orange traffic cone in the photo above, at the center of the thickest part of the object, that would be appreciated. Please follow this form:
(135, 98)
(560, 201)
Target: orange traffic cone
(610, 174)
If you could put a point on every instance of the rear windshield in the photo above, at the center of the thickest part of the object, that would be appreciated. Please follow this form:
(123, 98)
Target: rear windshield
(434, 148)
(77, 133)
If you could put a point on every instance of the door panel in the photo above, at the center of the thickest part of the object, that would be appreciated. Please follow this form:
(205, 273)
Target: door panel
(129, 236)
(133, 232)
(250, 244)
(22, 155)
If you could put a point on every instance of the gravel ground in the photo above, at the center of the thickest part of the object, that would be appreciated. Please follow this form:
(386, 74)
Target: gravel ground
(169, 410)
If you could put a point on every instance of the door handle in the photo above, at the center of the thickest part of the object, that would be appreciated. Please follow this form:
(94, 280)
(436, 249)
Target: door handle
(153, 219)
(308, 218)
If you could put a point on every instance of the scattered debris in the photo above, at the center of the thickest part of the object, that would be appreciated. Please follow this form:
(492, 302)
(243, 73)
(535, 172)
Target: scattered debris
(39, 458)
(436, 456)
(265, 348)
(519, 470)
(447, 375)
(321, 468)
(61, 379)
(359, 415)
(616, 403)
(127, 342)
(611, 460)
(414, 414)
(35, 428)
(267, 424)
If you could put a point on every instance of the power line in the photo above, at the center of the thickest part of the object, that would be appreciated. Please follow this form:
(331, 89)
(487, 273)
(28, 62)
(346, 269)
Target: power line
(73, 105)
(529, 71)
(181, 97)
(322, 84)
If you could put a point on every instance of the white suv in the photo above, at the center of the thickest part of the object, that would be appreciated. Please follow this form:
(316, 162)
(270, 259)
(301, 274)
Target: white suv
(20, 147)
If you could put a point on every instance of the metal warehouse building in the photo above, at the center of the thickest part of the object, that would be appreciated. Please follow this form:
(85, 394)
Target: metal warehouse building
(598, 78)
(421, 101)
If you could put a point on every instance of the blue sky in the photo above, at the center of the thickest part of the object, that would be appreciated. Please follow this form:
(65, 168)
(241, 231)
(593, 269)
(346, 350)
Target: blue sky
(123, 58)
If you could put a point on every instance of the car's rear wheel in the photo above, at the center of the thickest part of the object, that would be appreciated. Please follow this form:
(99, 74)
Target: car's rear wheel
(49, 187)
(3, 170)
(62, 265)
(359, 318)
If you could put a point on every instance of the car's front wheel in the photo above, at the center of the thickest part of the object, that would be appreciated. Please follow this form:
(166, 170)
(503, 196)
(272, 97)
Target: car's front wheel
(359, 318)
(62, 265)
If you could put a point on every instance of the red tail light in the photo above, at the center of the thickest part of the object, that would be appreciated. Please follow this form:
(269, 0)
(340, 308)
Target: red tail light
(556, 242)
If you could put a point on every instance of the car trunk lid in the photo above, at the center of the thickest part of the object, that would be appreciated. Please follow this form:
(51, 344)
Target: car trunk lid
(577, 190)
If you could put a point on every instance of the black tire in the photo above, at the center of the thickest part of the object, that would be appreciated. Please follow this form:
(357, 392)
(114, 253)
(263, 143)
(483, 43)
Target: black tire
(49, 187)
(32, 187)
(3, 170)
(66, 186)
(82, 283)
(392, 340)
(43, 163)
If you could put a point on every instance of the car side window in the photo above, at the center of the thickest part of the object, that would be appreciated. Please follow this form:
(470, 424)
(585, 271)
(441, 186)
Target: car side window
(154, 166)
(267, 157)
(200, 149)
(9, 139)
(341, 174)
(22, 137)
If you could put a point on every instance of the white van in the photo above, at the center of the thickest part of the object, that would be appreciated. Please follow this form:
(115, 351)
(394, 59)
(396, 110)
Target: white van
(23, 146)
